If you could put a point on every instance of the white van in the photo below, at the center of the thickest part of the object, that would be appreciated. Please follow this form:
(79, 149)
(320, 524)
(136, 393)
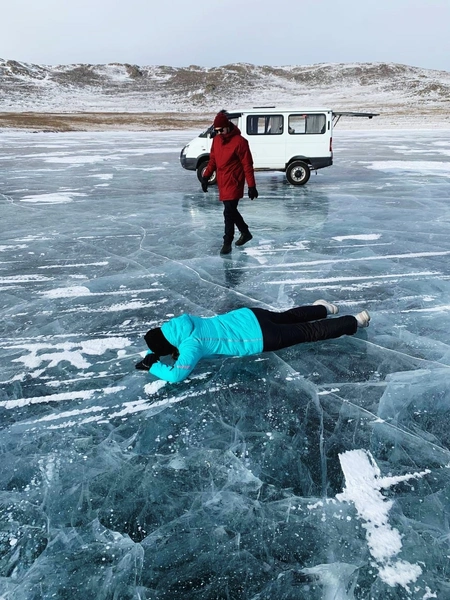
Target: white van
(295, 141)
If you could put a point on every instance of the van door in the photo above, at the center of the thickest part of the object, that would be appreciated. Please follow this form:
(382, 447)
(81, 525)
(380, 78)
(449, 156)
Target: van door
(265, 134)
(309, 136)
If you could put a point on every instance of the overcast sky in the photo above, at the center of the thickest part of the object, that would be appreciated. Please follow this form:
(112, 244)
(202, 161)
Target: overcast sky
(213, 33)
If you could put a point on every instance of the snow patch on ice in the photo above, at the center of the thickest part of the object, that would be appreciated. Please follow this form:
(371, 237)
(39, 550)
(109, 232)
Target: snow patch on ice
(68, 265)
(69, 292)
(81, 290)
(102, 175)
(55, 198)
(13, 247)
(363, 482)
(421, 167)
(78, 395)
(367, 237)
(132, 305)
(78, 160)
(15, 279)
(71, 352)
(153, 387)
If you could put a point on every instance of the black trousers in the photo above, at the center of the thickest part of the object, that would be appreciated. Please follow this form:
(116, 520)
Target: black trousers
(232, 217)
(300, 325)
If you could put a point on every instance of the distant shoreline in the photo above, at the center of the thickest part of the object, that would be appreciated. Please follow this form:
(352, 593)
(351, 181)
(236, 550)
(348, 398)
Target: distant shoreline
(103, 121)
(160, 121)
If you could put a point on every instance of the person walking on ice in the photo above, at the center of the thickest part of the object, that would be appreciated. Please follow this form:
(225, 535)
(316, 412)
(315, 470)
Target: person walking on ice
(232, 160)
(241, 332)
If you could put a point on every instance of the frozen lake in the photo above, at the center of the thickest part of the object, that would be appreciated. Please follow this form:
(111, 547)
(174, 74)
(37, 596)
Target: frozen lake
(318, 472)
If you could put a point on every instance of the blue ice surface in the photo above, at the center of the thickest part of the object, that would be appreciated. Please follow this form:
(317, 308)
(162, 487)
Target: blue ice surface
(317, 472)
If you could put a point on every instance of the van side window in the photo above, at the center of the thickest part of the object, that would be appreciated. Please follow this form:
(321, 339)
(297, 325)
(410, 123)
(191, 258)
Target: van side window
(264, 124)
(304, 124)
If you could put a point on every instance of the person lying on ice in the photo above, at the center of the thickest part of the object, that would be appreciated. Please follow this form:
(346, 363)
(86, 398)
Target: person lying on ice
(241, 332)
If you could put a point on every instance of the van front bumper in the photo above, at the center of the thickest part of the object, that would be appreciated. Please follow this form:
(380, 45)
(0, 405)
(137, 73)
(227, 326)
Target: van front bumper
(188, 163)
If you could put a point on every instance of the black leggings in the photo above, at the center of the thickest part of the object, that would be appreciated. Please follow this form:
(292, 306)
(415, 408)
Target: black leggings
(232, 217)
(294, 326)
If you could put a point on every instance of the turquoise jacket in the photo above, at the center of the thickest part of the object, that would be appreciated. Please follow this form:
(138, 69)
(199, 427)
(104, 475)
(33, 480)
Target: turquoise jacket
(236, 333)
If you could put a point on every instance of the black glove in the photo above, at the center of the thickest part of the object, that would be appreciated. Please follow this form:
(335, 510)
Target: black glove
(204, 183)
(149, 360)
(252, 193)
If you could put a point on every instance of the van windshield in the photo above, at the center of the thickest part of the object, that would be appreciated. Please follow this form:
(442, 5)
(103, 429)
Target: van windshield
(233, 117)
(207, 133)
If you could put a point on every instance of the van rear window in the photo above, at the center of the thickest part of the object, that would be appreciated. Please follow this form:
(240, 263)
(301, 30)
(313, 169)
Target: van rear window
(304, 124)
(265, 124)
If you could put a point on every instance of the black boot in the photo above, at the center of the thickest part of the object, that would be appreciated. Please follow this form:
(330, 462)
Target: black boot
(226, 248)
(244, 238)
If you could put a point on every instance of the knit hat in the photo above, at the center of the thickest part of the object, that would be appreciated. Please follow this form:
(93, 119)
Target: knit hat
(221, 120)
(158, 343)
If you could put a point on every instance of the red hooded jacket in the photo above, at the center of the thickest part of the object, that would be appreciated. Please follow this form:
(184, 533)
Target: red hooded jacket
(233, 162)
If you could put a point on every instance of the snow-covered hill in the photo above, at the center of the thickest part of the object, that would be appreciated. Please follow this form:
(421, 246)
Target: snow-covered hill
(400, 91)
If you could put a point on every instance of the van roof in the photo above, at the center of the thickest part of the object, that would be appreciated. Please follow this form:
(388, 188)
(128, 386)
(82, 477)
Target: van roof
(315, 109)
(292, 109)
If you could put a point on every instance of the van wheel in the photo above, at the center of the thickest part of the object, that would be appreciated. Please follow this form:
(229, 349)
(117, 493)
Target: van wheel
(201, 167)
(298, 172)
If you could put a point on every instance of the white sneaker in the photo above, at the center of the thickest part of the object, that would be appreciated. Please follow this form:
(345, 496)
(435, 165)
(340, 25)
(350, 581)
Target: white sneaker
(363, 319)
(332, 309)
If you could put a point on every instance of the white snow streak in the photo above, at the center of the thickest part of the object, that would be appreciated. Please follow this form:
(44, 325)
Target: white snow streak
(363, 482)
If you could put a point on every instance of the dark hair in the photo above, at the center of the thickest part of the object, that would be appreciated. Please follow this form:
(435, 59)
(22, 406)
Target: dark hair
(158, 343)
